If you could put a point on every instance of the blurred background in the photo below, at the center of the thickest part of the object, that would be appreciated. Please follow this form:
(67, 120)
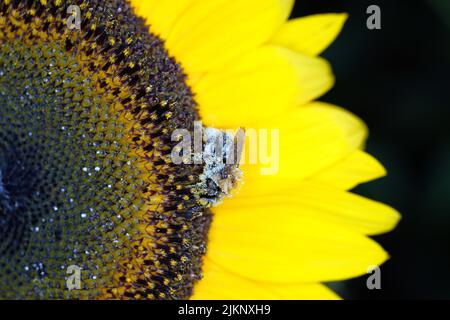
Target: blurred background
(397, 80)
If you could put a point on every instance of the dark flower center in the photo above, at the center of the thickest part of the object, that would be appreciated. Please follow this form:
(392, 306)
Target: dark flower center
(86, 179)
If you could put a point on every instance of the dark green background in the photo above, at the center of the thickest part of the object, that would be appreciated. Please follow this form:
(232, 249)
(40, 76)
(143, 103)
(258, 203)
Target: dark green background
(397, 80)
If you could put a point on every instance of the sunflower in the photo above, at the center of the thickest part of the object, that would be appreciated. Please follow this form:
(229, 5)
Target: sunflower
(86, 174)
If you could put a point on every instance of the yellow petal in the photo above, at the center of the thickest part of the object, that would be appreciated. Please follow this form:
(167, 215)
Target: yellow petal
(310, 35)
(218, 284)
(355, 129)
(136, 4)
(211, 33)
(302, 291)
(161, 15)
(357, 168)
(264, 83)
(311, 139)
(306, 199)
(284, 247)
